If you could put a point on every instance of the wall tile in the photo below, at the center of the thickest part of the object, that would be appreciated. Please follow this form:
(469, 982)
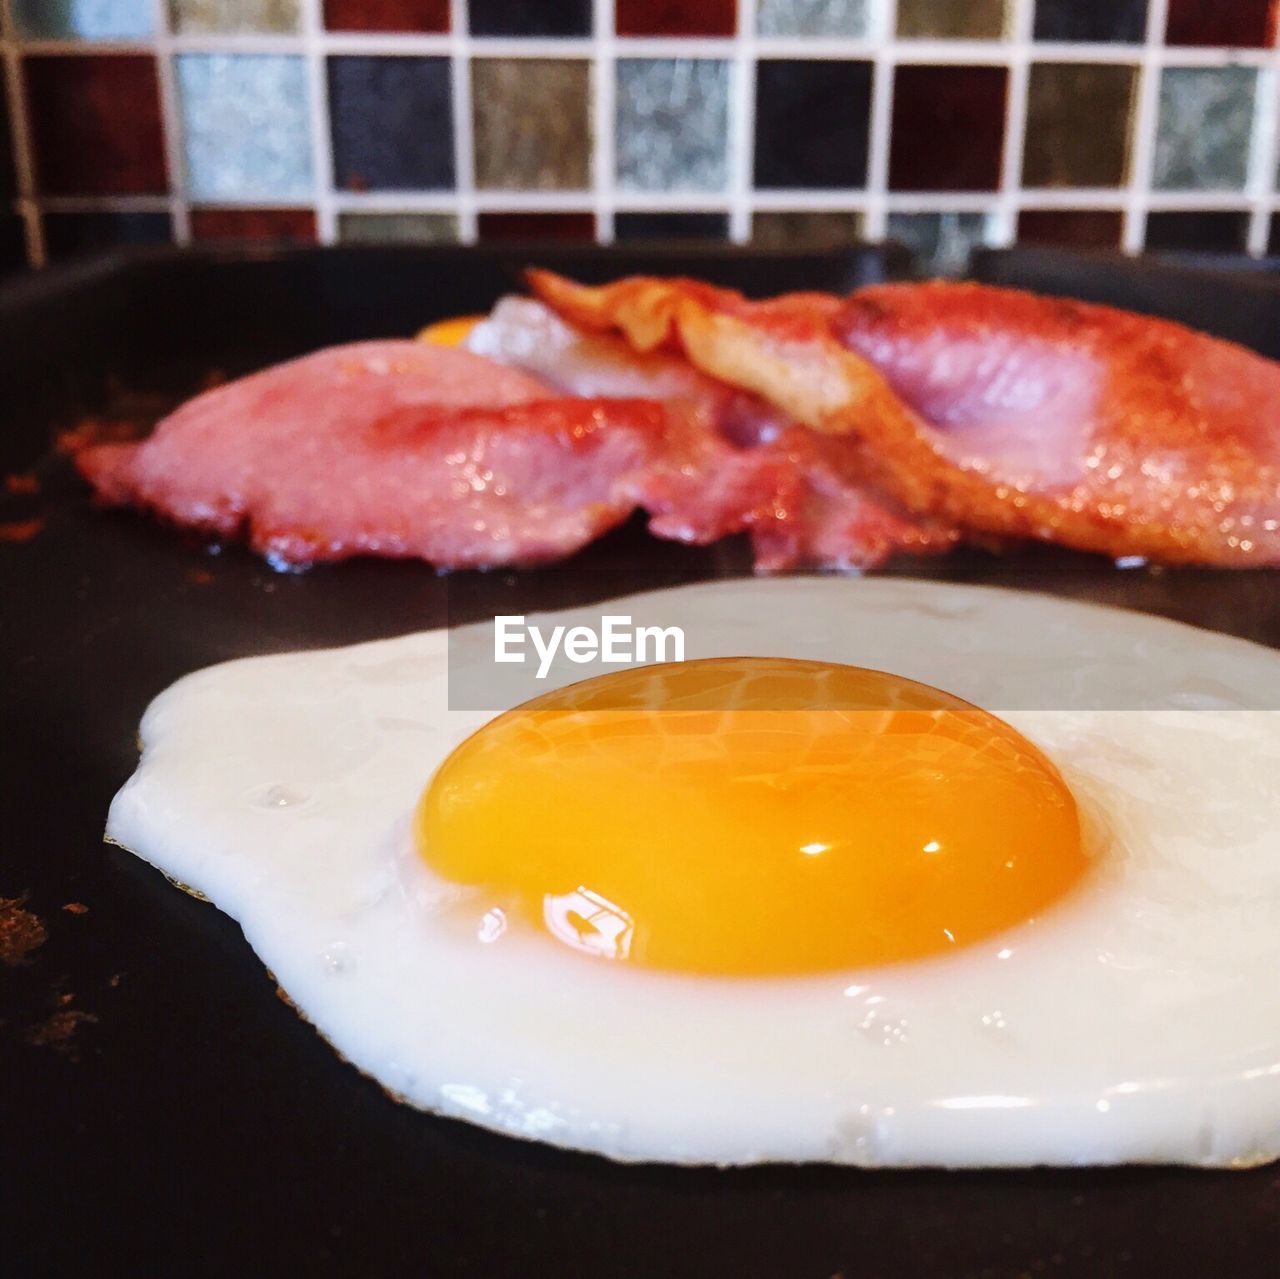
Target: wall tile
(676, 17)
(947, 129)
(397, 228)
(941, 242)
(1078, 118)
(952, 19)
(245, 125)
(672, 124)
(1217, 231)
(671, 226)
(1108, 21)
(8, 175)
(535, 228)
(1273, 237)
(70, 234)
(387, 15)
(296, 225)
(531, 124)
(84, 19)
(1077, 228)
(391, 120)
(521, 18)
(786, 230)
(234, 15)
(95, 124)
(812, 119)
(845, 18)
(1237, 23)
(1206, 117)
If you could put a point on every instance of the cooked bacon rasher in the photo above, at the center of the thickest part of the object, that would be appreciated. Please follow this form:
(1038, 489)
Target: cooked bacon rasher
(1001, 411)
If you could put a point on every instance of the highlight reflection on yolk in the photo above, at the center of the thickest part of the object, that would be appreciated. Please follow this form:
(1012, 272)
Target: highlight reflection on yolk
(754, 815)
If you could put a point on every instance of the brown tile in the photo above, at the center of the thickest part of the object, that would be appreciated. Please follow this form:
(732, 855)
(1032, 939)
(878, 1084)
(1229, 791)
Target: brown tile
(1077, 228)
(952, 19)
(386, 15)
(676, 17)
(947, 129)
(531, 124)
(532, 228)
(791, 229)
(95, 124)
(397, 228)
(253, 224)
(234, 15)
(1078, 125)
(1240, 24)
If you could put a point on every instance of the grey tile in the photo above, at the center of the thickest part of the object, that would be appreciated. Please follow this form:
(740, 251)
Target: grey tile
(672, 124)
(84, 19)
(234, 15)
(531, 124)
(246, 125)
(1206, 118)
(846, 18)
(397, 228)
(941, 242)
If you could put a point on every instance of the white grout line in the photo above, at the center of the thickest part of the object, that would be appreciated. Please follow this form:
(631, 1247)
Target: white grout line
(411, 44)
(20, 128)
(1263, 155)
(883, 18)
(1004, 215)
(171, 123)
(604, 91)
(321, 137)
(1145, 121)
(742, 123)
(464, 175)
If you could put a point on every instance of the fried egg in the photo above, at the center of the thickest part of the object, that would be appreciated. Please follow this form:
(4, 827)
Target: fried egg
(890, 873)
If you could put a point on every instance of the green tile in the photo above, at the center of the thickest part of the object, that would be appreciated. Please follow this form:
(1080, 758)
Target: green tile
(952, 19)
(1206, 119)
(531, 124)
(397, 228)
(785, 229)
(1078, 125)
(234, 15)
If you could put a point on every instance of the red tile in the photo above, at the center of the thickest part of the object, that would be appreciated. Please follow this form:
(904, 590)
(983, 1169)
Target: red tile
(532, 227)
(386, 15)
(1241, 24)
(253, 224)
(948, 128)
(1077, 228)
(676, 17)
(95, 124)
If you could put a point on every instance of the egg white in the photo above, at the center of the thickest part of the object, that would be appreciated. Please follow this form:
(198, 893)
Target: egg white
(1136, 1021)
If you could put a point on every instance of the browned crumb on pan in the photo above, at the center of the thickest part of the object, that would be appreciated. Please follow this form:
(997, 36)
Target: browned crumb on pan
(19, 531)
(21, 930)
(58, 1030)
(97, 431)
(75, 908)
(200, 577)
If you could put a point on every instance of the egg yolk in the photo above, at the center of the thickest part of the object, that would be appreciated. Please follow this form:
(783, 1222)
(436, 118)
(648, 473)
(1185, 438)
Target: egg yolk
(754, 816)
(451, 332)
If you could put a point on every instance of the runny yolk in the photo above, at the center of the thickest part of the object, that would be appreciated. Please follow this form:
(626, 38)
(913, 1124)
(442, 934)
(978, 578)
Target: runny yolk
(451, 332)
(754, 816)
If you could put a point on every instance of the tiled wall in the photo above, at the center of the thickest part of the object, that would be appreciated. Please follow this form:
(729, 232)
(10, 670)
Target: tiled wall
(939, 122)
